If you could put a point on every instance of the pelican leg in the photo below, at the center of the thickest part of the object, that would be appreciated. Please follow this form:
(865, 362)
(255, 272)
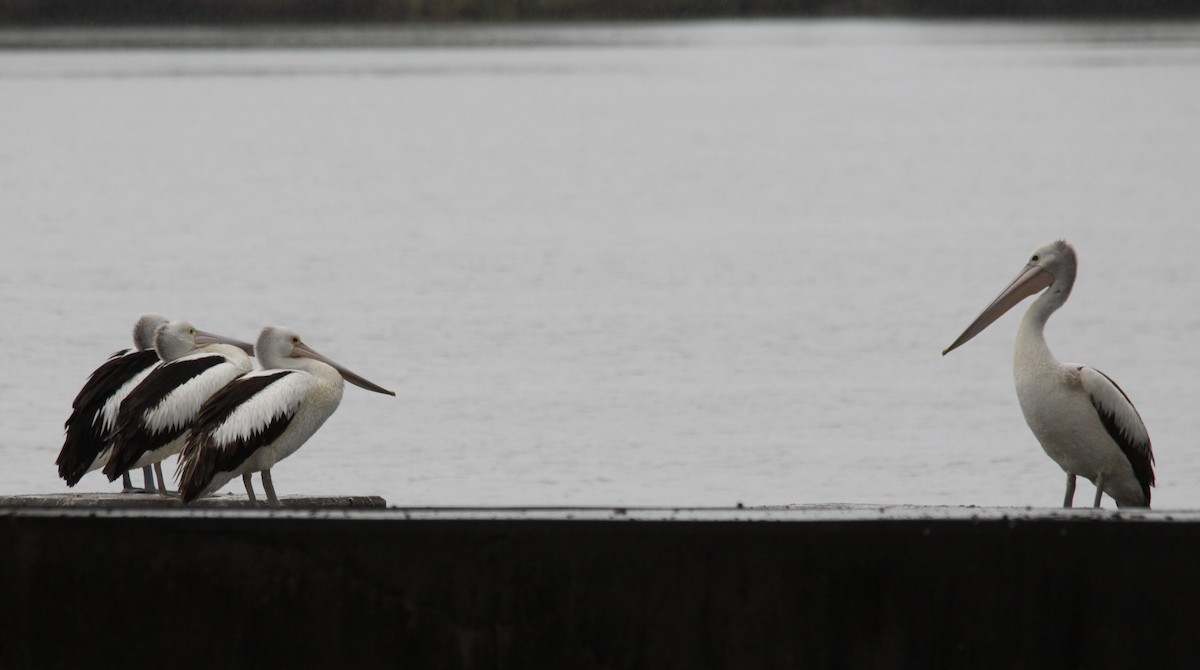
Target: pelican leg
(1099, 488)
(147, 482)
(269, 487)
(249, 489)
(1070, 497)
(162, 481)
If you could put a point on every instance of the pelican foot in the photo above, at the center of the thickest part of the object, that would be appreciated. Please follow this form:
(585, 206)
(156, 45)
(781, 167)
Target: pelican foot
(128, 487)
(139, 491)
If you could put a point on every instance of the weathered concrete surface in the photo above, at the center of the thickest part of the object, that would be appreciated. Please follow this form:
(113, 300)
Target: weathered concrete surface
(151, 501)
(201, 12)
(422, 588)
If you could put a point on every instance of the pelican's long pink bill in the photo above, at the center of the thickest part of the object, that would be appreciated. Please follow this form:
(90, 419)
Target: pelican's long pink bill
(308, 352)
(209, 338)
(1030, 280)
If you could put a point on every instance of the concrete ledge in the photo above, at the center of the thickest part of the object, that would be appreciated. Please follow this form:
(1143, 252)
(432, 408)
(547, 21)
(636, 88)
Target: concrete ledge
(201, 12)
(832, 586)
(152, 501)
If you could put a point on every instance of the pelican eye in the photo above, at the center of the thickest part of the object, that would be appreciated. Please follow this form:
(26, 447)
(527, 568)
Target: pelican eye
(295, 340)
(1034, 259)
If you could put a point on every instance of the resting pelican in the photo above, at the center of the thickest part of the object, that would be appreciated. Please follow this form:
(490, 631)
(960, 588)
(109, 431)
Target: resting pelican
(94, 412)
(1083, 420)
(154, 419)
(262, 417)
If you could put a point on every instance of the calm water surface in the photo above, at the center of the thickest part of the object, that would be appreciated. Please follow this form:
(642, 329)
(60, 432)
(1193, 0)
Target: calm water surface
(669, 264)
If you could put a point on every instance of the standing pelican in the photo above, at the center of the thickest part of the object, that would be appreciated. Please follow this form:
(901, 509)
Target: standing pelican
(154, 419)
(87, 445)
(1083, 420)
(262, 417)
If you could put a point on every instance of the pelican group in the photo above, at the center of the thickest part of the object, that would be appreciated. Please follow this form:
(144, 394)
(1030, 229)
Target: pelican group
(154, 419)
(1082, 419)
(185, 389)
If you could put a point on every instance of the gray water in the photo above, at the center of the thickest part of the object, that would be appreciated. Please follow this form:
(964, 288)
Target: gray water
(676, 264)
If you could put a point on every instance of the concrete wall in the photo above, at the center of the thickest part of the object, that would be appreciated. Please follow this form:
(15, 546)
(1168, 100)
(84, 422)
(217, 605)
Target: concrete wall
(222, 589)
(115, 12)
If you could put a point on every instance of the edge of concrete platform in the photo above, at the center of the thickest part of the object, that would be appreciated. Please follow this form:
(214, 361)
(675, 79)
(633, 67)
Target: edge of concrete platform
(376, 508)
(92, 501)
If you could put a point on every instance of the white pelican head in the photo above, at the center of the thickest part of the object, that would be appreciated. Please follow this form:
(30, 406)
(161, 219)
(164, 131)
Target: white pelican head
(143, 330)
(1052, 265)
(179, 338)
(280, 347)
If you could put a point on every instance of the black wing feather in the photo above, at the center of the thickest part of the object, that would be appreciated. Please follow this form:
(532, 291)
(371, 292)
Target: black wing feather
(201, 458)
(1139, 454)
(86, 438)
(131, 437)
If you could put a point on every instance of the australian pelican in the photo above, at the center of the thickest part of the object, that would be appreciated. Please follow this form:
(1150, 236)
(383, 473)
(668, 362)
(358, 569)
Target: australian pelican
(263, 416)
(1083, 420)
(94, 413)
(154, 419)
